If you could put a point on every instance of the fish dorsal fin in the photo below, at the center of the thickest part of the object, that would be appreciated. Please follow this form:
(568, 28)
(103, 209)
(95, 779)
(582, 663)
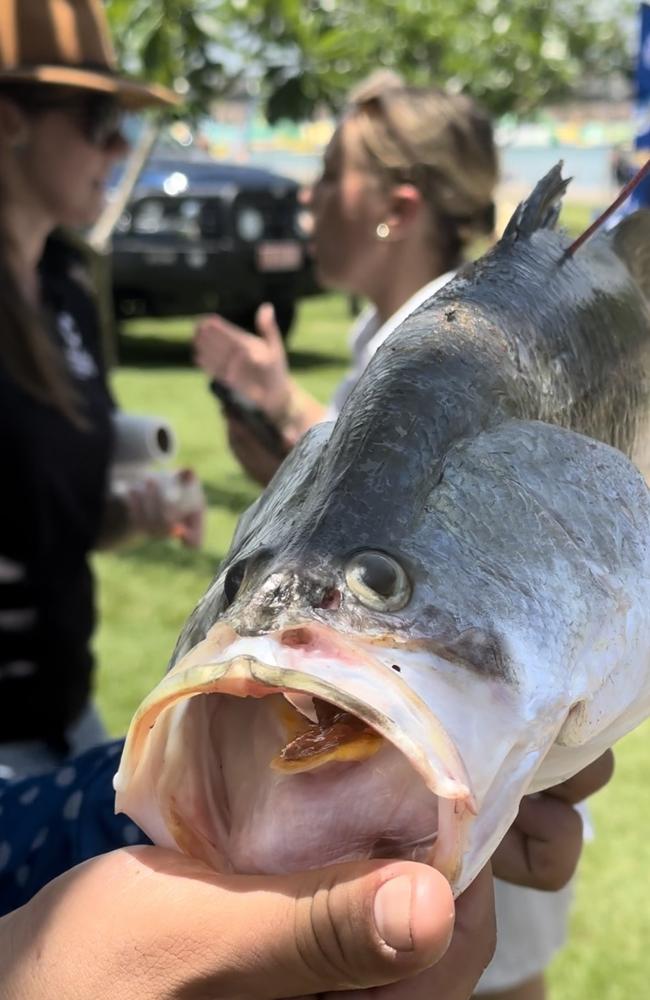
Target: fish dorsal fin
(541, 208)
(631, 241)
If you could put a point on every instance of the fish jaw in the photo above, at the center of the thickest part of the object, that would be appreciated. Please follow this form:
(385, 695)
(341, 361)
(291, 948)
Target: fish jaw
(171, 783)
(503, 731)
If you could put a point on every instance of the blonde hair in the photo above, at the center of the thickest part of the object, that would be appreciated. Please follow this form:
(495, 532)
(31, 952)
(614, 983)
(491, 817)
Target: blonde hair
(441, 143)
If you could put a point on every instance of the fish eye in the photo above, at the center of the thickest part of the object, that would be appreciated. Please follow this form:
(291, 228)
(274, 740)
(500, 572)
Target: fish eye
(378, 581)
(233, 582)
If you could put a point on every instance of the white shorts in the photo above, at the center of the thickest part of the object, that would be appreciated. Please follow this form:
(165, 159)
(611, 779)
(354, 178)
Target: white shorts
(531, 927)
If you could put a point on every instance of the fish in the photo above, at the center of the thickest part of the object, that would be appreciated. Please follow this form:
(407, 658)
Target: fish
(441, 602)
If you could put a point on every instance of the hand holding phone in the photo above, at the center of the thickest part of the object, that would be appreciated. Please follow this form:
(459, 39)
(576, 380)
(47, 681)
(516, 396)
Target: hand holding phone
(254, 419)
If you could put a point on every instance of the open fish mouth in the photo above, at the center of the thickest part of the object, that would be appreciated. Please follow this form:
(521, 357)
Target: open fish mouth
(290, 751)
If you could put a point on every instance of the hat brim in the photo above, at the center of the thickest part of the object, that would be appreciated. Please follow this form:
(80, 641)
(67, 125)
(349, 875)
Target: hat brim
(129, 93)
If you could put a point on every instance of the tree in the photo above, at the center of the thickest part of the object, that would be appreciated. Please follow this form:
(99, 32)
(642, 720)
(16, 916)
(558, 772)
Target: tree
(170, 42)
(296, 55)
(181, 44)
(510, 54)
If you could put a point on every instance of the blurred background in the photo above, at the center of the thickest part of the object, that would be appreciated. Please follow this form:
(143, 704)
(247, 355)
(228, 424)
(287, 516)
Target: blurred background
(206, 216)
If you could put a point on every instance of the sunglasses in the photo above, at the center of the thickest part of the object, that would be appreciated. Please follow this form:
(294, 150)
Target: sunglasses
(99, 116)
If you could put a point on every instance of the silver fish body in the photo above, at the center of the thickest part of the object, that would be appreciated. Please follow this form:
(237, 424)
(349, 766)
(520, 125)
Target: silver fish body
(459, 567)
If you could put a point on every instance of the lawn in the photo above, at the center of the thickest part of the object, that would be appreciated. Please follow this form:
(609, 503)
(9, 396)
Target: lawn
(147, 592)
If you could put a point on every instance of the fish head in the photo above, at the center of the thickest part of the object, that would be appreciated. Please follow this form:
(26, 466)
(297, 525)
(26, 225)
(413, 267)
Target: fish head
(339, 695)
(438, 604)
(278, 717)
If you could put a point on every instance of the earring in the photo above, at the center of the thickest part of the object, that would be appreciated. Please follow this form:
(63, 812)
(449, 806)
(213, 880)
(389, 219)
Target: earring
(383, 231)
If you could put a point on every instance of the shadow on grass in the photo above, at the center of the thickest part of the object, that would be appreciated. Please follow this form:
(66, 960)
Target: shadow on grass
(233, 499)
(174, 557)
(152, 351)
(299, 360)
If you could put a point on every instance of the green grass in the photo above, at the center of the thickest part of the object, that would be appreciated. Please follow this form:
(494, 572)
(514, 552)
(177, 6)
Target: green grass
(147, 592)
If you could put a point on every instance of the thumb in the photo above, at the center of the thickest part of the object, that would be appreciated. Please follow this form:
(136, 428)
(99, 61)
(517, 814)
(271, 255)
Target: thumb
(267, 327)
(364, 925)
(352, 926)
(347, 927)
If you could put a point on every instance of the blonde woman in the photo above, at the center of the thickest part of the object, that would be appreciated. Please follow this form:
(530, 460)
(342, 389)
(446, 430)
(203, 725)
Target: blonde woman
(407, 185)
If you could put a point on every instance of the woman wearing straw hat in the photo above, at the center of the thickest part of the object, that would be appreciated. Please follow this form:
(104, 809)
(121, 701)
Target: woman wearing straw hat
(61, 100)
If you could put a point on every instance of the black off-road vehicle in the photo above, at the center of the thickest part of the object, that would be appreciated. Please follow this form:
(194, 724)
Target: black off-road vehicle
(200, 236)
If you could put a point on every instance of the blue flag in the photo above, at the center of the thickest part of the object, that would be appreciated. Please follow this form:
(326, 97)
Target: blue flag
(642, 140)
(626, 168)
(643, 63)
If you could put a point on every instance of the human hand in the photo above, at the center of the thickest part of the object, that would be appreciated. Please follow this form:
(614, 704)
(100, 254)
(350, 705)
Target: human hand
(190, 505)
(260, 463)
(542, 847)
(256, 366)
(456, 974)
(151, 923)
(164, 504)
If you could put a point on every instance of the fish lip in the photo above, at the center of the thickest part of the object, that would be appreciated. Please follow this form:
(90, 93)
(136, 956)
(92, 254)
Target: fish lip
(242, 668)
(245, 675)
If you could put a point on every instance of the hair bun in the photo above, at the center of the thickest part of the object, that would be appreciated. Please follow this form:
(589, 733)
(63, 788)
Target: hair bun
(378, 83)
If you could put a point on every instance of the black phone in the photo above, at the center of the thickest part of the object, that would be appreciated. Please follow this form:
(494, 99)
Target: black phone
(236, 405)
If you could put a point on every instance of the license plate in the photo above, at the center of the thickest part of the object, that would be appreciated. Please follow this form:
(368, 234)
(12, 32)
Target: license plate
(160, 258)
(279, 256)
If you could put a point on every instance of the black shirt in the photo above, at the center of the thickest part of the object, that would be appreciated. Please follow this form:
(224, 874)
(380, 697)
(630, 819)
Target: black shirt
(53, 486)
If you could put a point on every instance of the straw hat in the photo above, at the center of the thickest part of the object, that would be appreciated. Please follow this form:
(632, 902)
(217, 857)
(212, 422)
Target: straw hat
(67, 43)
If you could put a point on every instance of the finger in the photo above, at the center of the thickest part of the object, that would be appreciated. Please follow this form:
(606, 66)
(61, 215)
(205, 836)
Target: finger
(351, 926)
(471, 950)
(543, 846)
(143, 508)
(160, 514)
(204, 322)
(206, 337)
(192, 530)
(216, 340)
(200, 326)
(588, 781)
(216, 325)
(267, 327)
(135, 508)
(456, 974)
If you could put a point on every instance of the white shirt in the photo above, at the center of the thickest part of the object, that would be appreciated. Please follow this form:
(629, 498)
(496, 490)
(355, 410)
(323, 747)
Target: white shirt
(367, 335)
